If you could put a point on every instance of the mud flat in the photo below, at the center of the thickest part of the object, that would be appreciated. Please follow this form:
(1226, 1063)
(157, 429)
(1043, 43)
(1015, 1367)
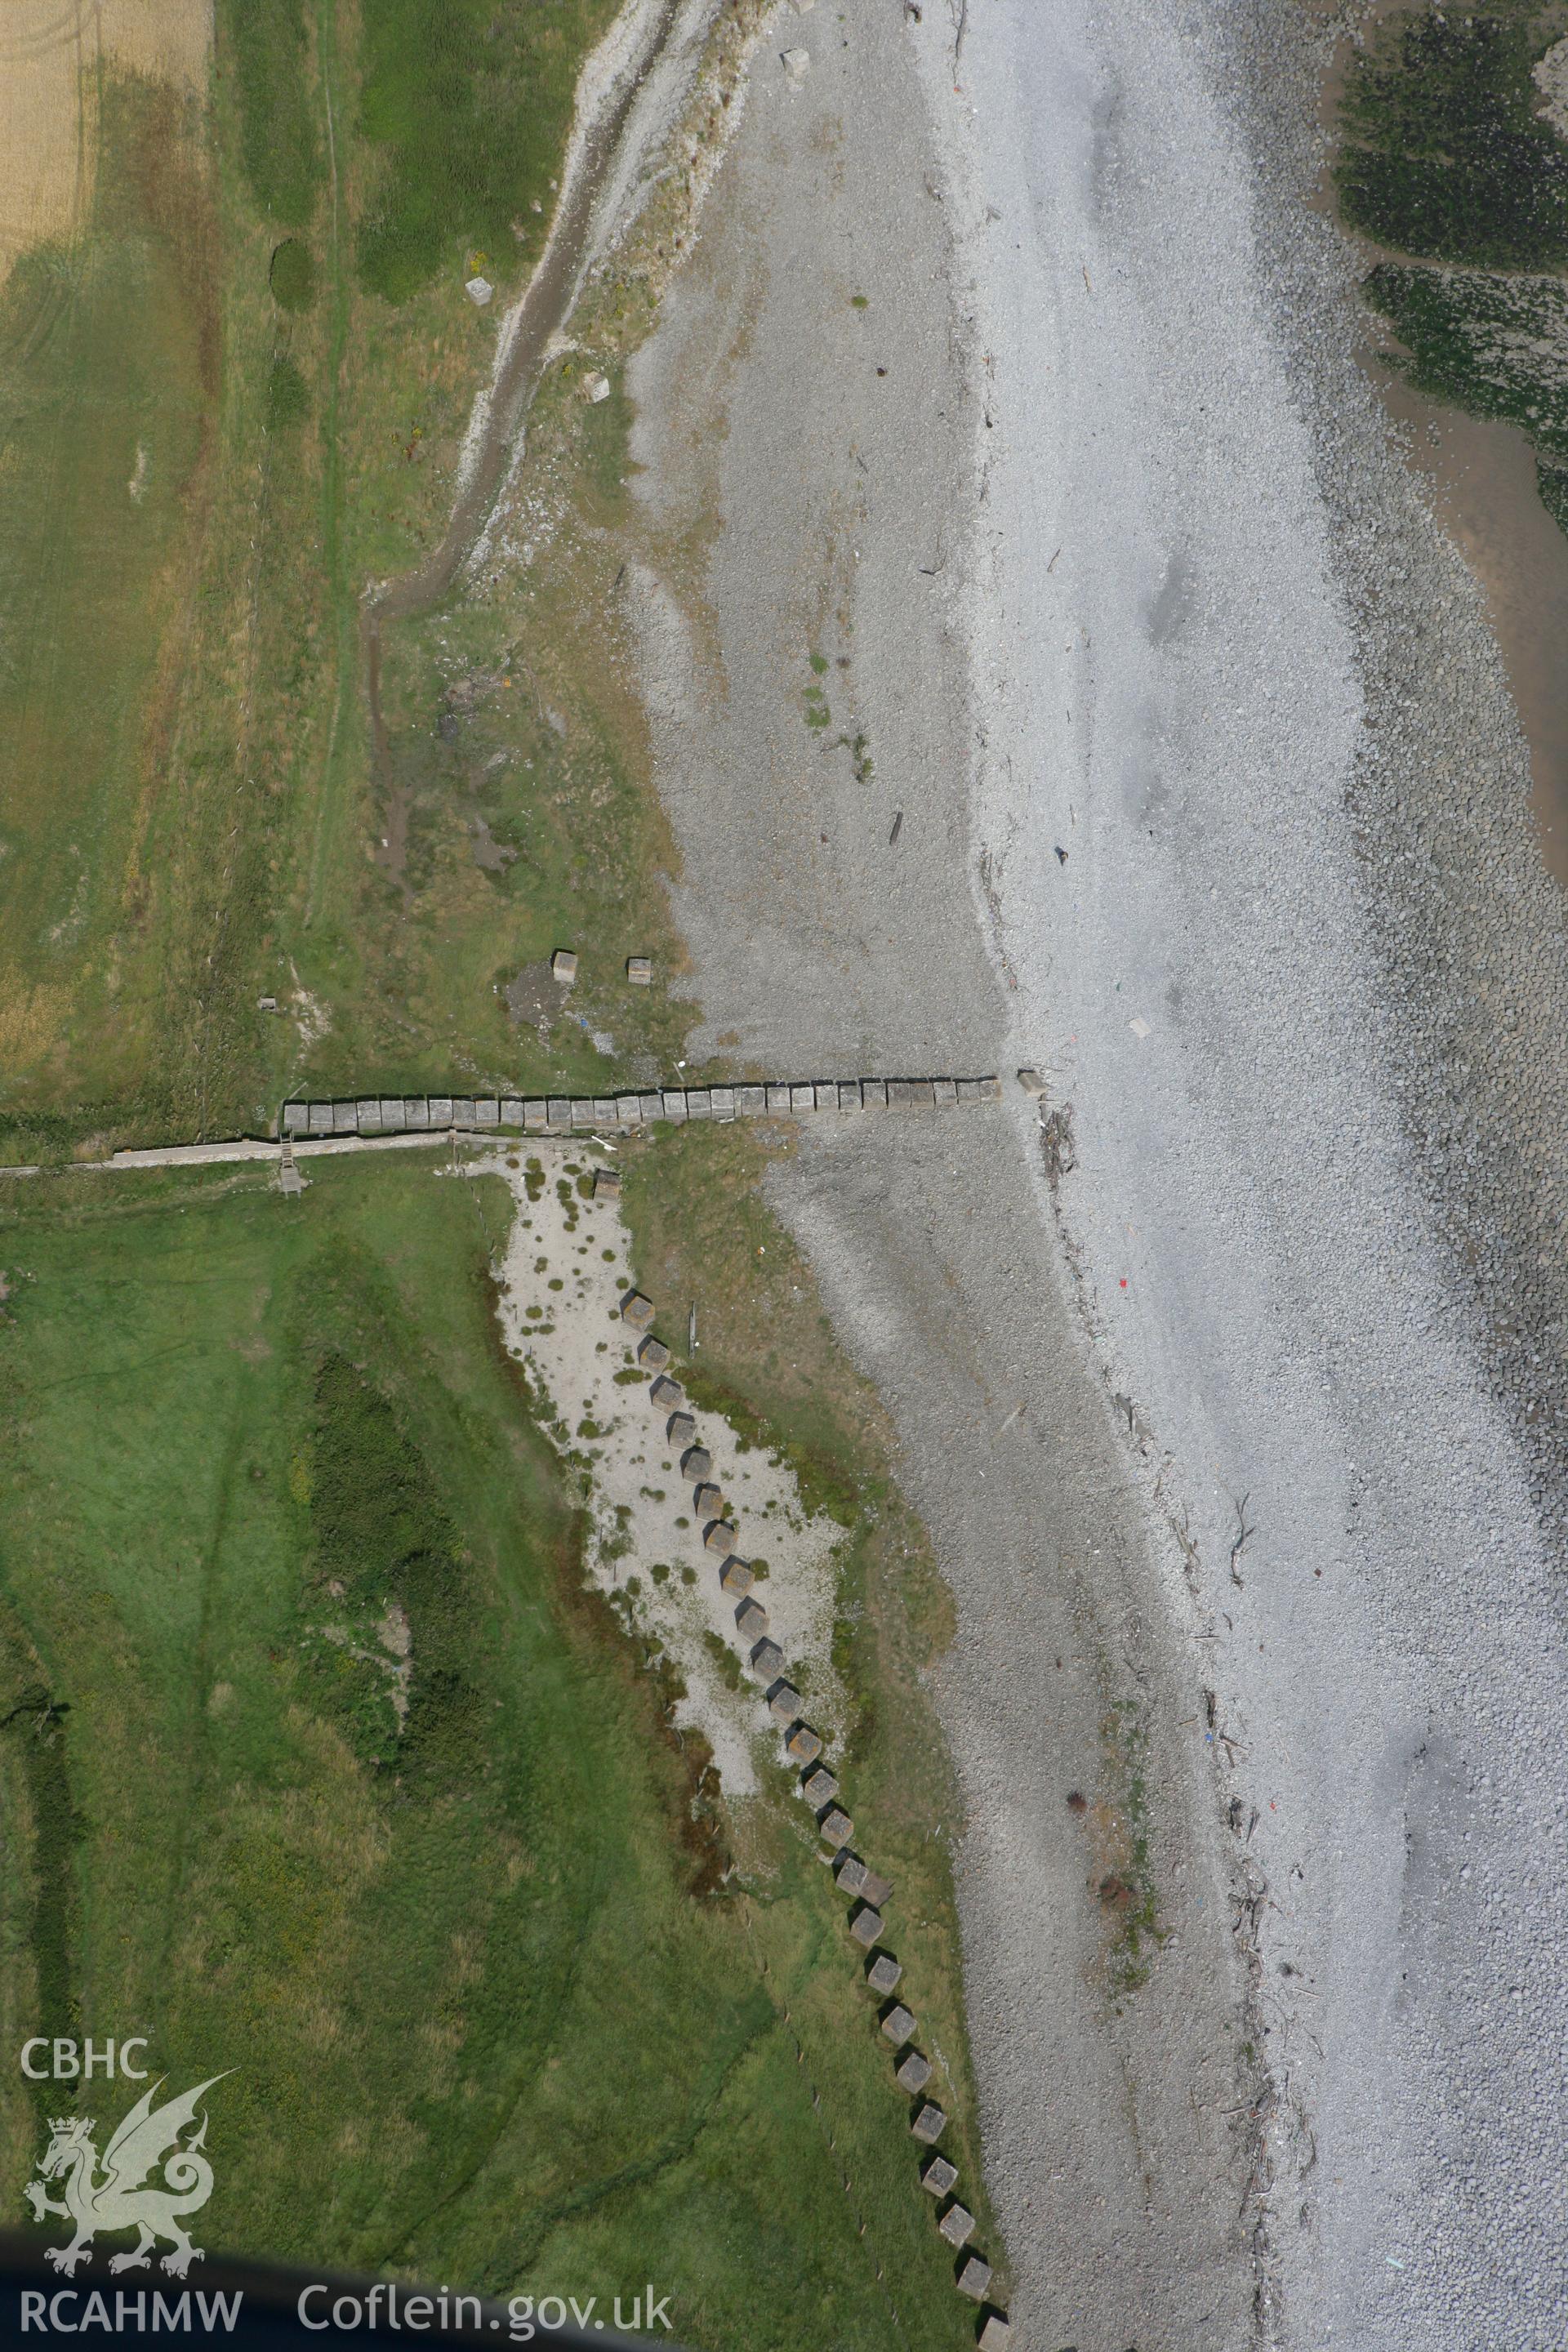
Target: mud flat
(1257, 809)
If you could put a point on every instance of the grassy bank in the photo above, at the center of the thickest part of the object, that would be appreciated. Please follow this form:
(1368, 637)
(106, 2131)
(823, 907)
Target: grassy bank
(328, 1769)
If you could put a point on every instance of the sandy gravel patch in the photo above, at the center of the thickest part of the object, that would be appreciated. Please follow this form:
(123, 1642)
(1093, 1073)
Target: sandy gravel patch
(564, 1270)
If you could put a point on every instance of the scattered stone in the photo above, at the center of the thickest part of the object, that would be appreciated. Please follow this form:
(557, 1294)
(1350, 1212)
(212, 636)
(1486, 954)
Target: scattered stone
(882, 1973)
(974, 2277)
(639, 971)
(796, 63)
(637, 1310)
(938, 2176)
(866, 1926)
(957, 2226)
(478, 291)
(930, 2124)
(563, 966)
(914, 2073)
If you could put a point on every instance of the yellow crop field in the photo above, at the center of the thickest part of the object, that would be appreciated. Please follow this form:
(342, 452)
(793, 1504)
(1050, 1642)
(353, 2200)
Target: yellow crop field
(51, 52)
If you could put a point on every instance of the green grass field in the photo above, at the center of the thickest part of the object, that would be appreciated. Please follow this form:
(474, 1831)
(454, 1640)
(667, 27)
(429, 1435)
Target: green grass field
(495, 2011)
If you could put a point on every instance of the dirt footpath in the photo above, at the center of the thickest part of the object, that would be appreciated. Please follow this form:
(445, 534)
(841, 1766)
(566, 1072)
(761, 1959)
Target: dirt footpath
(803, 432)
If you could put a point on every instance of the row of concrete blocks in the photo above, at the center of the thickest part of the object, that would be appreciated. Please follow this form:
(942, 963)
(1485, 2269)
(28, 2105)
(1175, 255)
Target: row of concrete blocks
(566, 1114)
(818, 1786)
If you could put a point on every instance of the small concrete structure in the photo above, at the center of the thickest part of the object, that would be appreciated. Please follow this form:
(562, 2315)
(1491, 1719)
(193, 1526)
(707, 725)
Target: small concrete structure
(628, 1110)
(709, 1502)
(968, 1090)
(849, 1096)
(802, 1098)
(874, 1093)
(681, 1429)
(440, 1110)
(875, 1889)
(930, 2124)
(783, 1702)
(898, 2025)
(535, 1117)
(666, 1393)
(836, 1826)
(750, 1620)
(766, 1659)
(750, 1100)
(883, 1972)
(595, 387)
(944, 1092)
(558, 1115)
(604, 1110)
(697, 1463)
(563, 966)
(778, 1098)
(639, 971)
(511, 1113)
(957, 2226)
(866, 1926)
(736, 1577)
(652, 1354)
(938, 2176)
(900, 1095)
(674, 1101)
(851, 1874)
(914, 2073)
(652, 1106)
(699, 1102)
(636, 1310)
(818, 1788)
(721, 1538)
(478, 291)
(974, 2277)
(803, 1745)
(463, 1110)
(608, 1184)
(995, 2334)
(1034, 1085)
(724, 1102)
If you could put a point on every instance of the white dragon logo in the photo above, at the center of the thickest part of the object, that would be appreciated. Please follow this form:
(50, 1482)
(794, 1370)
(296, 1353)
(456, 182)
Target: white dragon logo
(119, 2201)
